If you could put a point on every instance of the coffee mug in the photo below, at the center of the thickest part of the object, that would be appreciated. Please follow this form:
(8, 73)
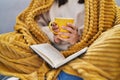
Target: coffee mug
(61, 22)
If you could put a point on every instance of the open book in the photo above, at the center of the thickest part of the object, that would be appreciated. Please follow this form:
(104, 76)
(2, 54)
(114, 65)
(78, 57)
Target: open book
(52, 56)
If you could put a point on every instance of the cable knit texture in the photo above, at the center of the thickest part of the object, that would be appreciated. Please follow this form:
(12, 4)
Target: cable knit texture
(101, 33)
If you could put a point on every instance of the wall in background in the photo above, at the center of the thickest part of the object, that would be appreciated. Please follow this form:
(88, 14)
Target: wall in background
(9, 9)
(118, 2)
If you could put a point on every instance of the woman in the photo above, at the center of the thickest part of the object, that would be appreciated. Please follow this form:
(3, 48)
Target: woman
(66, 9)
(17, 59)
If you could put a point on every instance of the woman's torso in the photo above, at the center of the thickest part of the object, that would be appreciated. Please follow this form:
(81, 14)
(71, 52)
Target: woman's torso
(70, 9)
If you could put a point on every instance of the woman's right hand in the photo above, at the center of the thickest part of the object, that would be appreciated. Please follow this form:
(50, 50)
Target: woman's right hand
(55, 29)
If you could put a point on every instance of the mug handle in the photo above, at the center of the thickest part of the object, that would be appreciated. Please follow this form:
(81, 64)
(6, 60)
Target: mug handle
(50, 27)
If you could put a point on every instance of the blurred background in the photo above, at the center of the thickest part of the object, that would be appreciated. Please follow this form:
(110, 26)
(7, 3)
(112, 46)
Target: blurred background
(9, 9)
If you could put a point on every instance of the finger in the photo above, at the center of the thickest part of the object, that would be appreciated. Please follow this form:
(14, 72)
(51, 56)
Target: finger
(69, 29)
(57, 40)
(72, 26)
(55, 28)
(64, 34)
(63, 39)
(53, 24)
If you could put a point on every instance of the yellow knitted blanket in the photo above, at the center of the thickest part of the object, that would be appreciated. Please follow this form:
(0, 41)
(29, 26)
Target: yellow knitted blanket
(101, 33)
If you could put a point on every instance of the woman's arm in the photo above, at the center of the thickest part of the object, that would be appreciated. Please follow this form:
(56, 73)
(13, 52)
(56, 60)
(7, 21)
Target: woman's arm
(43, 19)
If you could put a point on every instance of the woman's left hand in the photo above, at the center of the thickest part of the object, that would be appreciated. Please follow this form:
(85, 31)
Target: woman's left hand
(72, 34)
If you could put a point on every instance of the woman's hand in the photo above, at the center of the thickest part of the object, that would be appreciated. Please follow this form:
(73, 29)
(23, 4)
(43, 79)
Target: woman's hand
(55, 29)
(72, 34)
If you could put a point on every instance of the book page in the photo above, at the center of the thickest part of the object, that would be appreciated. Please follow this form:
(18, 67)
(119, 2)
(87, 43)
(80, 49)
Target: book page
(71, 57)
(48, 52)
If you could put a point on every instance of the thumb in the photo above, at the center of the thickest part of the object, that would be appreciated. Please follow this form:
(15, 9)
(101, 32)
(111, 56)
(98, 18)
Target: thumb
(57, 40)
